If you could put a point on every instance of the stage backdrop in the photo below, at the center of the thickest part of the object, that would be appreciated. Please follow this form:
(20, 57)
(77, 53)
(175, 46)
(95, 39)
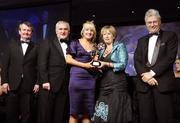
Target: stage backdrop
(43, 19)
(130, 35)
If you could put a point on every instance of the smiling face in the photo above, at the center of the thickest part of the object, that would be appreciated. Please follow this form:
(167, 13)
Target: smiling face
(108, 34)
(25, 32)
(153, 20)
(107, 37)
(89, 31)
(62, 30)
(153, 24)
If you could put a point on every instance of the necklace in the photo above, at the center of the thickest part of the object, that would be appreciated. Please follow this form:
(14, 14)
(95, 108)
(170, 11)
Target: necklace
(107, 51)
(88, 46)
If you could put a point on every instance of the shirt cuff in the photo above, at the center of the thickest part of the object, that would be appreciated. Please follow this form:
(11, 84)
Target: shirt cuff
(152, 73)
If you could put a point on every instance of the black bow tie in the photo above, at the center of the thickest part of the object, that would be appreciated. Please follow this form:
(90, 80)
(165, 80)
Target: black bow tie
(27, 42)
(63, 40)
(151, 34)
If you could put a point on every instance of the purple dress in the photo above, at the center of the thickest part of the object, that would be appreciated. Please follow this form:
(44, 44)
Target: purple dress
(82, 82)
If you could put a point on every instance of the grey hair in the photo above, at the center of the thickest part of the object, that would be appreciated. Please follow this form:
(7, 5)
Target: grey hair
(152, 12)
(62, 22)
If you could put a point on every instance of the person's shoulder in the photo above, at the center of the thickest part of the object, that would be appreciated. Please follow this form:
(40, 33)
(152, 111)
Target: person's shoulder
(118, 43)
(13, 42)
(74, 41)
(143, 37)
(34, 42)
(171, 33)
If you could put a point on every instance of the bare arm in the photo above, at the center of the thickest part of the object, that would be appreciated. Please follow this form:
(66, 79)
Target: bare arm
(72, 61)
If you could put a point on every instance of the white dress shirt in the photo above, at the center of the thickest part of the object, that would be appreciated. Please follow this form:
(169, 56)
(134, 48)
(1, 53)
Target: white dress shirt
(64, 47)
(24, 47)
(151, 46)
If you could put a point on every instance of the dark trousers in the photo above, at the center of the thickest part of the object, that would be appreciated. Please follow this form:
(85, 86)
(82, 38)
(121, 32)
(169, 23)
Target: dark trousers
(18, 107)
(52, 107)
(155, 107)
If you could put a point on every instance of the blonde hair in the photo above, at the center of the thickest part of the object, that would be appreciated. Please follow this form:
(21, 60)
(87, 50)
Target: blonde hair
(109, 28)
(177, 59)
(91, 25)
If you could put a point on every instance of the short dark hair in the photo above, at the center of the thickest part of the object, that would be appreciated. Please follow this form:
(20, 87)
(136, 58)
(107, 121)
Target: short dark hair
(27, 23)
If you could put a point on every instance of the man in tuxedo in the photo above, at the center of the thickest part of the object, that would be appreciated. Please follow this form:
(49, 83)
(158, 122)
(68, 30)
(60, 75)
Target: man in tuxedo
(19, 75)
(154, 58)
(54, 75)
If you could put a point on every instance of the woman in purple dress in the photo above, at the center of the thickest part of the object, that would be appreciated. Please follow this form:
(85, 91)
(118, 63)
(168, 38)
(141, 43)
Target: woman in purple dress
(82, 79)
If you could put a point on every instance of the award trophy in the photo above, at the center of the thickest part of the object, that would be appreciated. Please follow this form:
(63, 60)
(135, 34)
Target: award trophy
(95, 54)
(95, 62)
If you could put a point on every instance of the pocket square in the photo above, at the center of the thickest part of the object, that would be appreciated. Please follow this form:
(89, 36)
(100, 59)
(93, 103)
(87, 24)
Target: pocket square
(162, 44)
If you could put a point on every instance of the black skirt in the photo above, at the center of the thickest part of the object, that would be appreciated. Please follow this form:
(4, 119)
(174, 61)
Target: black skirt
(113, 106)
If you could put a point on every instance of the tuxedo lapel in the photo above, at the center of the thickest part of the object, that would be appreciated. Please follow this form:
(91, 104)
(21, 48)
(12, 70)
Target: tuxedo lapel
(17, 49)
(156, 51)
(146, 46)
(20, 47)
(58, 46)
(30, 46)
(145, 50)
